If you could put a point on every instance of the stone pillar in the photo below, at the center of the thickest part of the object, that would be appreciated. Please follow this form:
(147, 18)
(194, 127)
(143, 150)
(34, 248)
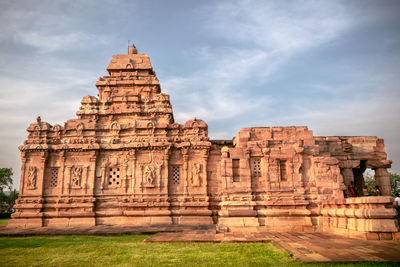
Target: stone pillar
(204, 181)
(245, 171)
(92, 174)
(85, 177)
(223, 173)
(133, 182)
(166, 167)
(141, 178)
(297, 169)
(291, 172)
(42, 172)
(185, 170)
(222, 167)
(103, 175)
(265, 167)
(382, 179)
(348, 176)
(159, 168)
(61, 175)
(23, 168)
(68, 178)
(124, 168)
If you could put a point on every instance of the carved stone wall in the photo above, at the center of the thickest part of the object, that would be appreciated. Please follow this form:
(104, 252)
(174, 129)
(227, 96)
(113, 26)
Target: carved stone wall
(125, 161)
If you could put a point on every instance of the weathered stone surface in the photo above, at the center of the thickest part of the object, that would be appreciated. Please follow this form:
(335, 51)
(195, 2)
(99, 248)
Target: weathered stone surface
(125, 161)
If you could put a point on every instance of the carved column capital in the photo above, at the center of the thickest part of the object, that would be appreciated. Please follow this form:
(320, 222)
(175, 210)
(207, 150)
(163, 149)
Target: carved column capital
(43, 156)
(205, 153)
(132, 154)
(266, 152)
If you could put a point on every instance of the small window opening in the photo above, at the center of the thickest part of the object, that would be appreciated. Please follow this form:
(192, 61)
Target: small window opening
(256, 167)
(236, 170)
(53, 177)
(176, 174)
(282, 170)
(114, 177)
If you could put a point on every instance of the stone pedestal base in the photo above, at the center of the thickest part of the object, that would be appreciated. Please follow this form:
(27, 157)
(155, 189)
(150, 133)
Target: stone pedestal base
(134, 220)
(25, 222)
(364, 217)
(237, 214)
(192, 220)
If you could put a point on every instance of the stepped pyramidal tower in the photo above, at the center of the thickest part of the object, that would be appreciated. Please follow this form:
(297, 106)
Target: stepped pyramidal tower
(125, 161)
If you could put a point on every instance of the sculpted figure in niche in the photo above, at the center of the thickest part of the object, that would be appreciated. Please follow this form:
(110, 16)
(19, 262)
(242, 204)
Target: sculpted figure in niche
(76, 177)
(196, 174)
(115, 128)
(149, 175)
(79, 129)
(32, 172)
(36, 133)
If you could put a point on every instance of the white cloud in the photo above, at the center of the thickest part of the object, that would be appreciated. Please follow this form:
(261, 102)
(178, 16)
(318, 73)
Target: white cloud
(262, 36)
(46, 31)
(49, 42)
(278, 26)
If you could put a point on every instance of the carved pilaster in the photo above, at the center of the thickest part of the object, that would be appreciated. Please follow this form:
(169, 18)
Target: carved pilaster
(103, 175)
(23, 168)
(204, 160)
(68, 178)
(159, 167)
(133, 158)
(42, 168)
(185, 156)
(224, 159)
(125, 167)
(85, 177)
(62, 167)
(292, 171)
(90, 183)
(141, 178)
(265, 167)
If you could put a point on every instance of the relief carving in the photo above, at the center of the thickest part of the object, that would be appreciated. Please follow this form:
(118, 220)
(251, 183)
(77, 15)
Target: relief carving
(115, 128)
(76, 177)
(32, 177)
(57, 131)
(149, 174)
(196, 170)
(79, 129)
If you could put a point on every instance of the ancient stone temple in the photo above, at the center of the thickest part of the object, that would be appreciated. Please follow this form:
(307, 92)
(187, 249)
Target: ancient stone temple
(125, 161)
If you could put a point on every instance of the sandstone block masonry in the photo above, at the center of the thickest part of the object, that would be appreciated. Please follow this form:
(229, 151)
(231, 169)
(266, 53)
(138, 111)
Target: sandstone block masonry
(125, 161)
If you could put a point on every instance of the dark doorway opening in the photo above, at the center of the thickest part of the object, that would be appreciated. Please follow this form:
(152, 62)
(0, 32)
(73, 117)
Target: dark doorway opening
(359, 177)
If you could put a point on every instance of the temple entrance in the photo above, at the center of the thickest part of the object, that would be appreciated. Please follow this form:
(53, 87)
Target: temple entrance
(369, 182)
(359, 177)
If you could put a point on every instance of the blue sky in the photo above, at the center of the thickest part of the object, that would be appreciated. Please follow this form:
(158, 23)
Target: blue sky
(330, 65)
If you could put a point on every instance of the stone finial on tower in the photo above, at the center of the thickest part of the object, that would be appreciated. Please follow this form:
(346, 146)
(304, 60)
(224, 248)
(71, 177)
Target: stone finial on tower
(132, 50)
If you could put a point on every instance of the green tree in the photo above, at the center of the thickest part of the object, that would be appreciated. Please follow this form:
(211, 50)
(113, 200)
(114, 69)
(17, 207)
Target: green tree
(11, 199)
(6, 179)
(395, 183)
(369, 180)
(7, 201)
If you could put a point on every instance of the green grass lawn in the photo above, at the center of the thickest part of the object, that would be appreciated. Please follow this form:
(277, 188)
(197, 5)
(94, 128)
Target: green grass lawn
(129, 250)
(3, 221)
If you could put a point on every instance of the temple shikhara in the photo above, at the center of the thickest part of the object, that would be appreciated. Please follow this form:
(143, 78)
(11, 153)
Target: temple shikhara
(125, 161)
